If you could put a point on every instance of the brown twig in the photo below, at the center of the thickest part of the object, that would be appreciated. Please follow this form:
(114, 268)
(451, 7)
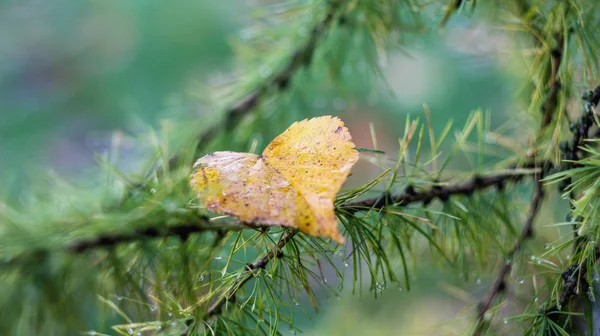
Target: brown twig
(499, 284)
(183, 231)
(275, 252)
(203, 224)
(410, 195)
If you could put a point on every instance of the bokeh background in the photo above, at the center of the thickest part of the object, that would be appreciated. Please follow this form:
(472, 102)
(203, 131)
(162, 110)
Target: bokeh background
(76, 77)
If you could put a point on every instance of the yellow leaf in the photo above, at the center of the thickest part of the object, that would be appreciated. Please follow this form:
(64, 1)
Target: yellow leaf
(293, 183)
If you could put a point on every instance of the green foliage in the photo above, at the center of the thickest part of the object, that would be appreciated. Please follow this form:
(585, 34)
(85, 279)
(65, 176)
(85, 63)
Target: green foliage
(137, 255)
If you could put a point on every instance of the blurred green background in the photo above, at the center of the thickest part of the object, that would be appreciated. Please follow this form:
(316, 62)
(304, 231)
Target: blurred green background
(75, 73)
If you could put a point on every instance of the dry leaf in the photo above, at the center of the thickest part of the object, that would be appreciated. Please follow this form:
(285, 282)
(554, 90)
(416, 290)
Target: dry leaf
(293, 183)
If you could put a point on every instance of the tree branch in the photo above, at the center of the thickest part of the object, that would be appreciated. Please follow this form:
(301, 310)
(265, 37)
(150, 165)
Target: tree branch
(571, 277)
(410, 195)
(203, 223)
(580, 130)
(275, 252)
(182, 231)
(499, 284)
(300, 58)
(556, 58)
(571, 149)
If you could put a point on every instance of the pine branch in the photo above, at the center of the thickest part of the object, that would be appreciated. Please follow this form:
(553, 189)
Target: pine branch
(499, 284)
(300, 58)
(261, 263)
(203, 224)
(551, 103)
(410, 195)
(182, 231)
(580, 130)
(570, 150)
(571, 277)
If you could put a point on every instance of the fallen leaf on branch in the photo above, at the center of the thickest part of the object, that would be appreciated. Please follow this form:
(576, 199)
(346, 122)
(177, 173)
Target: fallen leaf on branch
(293, 183)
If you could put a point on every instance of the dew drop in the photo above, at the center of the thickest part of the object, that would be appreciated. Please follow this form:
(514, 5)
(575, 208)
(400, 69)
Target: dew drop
(139, 334)
(546, 246)
(521, 281)
(346, 264)
(505, 321)
(400, 289)
(129, 331)
(159, 327)
(591, 295)
(218, 258)
(92, 332)
(153, 190)
(264, 70)
(532, 258)
(253, 306)
(170, 314)
(302, 31)
(120, 298)
(173, 324)
(297, 303)
(535, 299)
(283, 184)
(152, 309)
(293, 332)
(170, 206)
(201, 278)
(478, 281)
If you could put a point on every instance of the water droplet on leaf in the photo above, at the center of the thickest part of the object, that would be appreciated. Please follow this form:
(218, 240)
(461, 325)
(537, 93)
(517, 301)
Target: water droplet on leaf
(264, 71)
(302, 32)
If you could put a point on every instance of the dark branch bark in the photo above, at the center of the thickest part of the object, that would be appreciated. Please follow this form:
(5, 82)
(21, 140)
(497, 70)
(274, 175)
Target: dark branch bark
(275, 252)
(441, 192)
(203, 224)
(571, 152)
(499, 284)
(182, 231)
